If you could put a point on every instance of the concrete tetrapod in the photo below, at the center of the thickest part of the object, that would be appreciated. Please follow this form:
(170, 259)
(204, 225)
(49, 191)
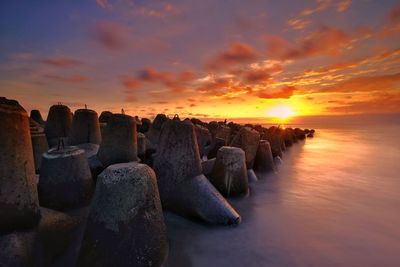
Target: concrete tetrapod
(125, 226)
(264, 161)
(19, 205)
(119, 141)
(58, 124)
(183, 187)
(229, 174)
(65, 180)
(85, 128)
(37, 117)
(248, 140)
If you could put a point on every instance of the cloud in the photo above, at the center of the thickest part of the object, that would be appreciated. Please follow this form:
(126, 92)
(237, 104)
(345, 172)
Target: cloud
(237, 53)
(161, 11)
(61, 62)
(110, 35)
(104, 4)
(343, 5)
(69, 79)
(298, 23)
(366, 84)
(377, 103)
(394, 14)
(130, 98)
(130, 83)
(324, 41)
(284, 92)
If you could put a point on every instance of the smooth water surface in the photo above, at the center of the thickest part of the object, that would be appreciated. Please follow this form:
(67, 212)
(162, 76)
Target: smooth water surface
(335, 201)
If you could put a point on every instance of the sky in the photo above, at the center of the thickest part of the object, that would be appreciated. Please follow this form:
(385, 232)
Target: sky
(207, 59)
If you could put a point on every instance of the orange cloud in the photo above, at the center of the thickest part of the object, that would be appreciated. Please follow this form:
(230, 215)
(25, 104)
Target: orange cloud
(367, 83)
(378, 103)
(285, 92)
(70, 79)
(343, 5)
(61, 62)
(237, 53)
(130, 83)
(324, 41)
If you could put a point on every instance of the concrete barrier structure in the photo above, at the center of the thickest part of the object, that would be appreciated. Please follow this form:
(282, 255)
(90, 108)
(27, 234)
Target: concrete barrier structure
(65, 180)
(183, 187)
(58, 124)
(125, 226)
(85, 128)
(19, 205)
(119, 141)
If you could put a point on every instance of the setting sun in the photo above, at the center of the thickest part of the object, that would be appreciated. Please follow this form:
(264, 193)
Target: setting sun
(281, 112)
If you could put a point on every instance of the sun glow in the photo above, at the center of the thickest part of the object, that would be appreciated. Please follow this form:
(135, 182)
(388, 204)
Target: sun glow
(281, 112)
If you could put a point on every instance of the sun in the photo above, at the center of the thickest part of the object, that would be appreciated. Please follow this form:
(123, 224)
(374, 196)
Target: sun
(281, 112)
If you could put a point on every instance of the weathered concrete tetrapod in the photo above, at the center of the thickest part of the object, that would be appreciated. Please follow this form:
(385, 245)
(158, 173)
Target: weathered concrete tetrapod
(125, 226)
(229, 174)
(153, 134)
(85, 128)
(264, 161)
(39, 146)
(248, 140)
(19, 205)
(65, 180)
(203, 139)
(119, 142)
(58, 124)
(183, 187)
(36, 116)
(105, 116)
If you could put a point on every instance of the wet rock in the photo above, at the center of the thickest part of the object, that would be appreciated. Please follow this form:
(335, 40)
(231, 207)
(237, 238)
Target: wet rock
(37, 117)
(183, 187)
(125, 226)
(19, 206)
(119, 142)
(58, 124)
(229, 174)
(264, 161)
(85, 128)
(65, 179)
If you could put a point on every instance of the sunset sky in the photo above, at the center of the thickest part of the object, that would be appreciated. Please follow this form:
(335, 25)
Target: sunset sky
(216, 59)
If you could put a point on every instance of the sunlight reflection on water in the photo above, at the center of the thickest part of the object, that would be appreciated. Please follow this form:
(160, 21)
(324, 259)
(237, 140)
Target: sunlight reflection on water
(335, 201)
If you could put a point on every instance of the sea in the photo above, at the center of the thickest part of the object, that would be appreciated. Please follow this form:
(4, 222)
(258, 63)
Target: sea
(333, 201)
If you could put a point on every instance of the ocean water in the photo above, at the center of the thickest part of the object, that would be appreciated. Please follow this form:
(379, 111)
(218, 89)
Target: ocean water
(334, 201)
